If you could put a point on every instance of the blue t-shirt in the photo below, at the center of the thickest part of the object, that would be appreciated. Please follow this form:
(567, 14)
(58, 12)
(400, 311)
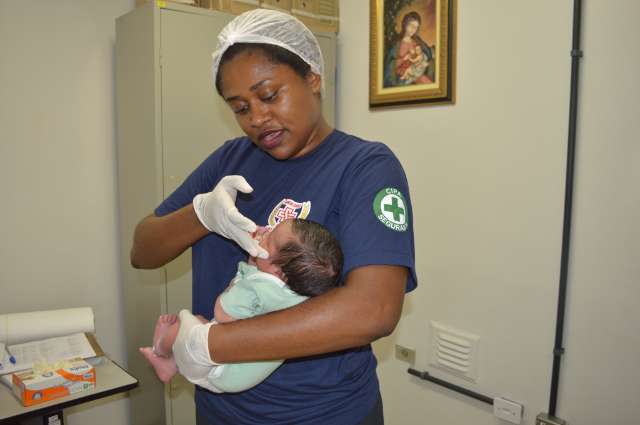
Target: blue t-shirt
(355, 188)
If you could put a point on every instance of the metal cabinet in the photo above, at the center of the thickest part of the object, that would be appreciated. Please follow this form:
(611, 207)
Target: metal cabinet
(169, 119)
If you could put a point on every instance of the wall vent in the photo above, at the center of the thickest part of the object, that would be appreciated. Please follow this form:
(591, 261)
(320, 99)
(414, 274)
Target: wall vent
(454, 351)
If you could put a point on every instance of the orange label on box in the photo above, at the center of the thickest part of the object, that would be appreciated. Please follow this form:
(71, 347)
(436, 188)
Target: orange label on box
(32, 388)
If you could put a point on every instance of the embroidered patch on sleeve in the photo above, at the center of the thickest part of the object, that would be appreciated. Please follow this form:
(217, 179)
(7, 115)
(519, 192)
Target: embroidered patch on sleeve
(288, 208)
(390, 207)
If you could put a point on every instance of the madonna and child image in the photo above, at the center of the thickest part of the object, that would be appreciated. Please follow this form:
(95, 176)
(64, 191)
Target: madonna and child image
(409, 43)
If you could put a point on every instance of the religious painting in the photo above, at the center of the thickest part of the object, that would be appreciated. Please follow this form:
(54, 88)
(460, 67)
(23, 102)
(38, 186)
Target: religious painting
(412, 52)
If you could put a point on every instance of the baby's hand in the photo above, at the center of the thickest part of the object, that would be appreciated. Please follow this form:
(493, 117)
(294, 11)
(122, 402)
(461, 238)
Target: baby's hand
(259, 233)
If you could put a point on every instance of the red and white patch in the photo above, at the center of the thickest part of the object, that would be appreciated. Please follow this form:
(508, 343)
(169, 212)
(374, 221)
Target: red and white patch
(288, 208)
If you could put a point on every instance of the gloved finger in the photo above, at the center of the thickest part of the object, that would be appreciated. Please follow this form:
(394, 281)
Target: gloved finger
(246, 242)
(257, 236)
(184, 359)
(237, 183)
(240, 221)
(262, 253)
(250, 245)
(187, 320)
(260, 231)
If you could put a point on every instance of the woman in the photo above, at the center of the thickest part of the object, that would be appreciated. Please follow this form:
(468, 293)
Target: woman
(402, 63)
(268, 68)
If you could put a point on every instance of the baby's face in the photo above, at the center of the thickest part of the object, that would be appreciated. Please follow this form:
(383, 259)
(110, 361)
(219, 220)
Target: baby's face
(272, 241)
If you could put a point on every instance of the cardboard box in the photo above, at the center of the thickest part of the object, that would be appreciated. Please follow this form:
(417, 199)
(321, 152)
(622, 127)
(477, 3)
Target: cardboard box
(209, 4)
(318, 15)
(280, 5)
(238, 6)
(189, 2)
(75, 377)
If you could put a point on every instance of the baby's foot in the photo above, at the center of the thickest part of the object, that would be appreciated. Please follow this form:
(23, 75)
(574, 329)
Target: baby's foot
(165, 368)
(163, 323)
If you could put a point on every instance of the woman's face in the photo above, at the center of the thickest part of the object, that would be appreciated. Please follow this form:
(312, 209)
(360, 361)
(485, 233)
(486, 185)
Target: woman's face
(411, 28)
(278, 109)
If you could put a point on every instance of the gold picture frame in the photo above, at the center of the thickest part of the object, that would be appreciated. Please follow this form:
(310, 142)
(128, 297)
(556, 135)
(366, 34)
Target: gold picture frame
(412, 52)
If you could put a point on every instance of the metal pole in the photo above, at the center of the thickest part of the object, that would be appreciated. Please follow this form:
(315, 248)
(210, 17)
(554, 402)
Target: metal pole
(558, 350)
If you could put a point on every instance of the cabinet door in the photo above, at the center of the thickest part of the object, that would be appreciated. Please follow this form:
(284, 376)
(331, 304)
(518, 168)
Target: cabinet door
(195, 122)
(328, 46)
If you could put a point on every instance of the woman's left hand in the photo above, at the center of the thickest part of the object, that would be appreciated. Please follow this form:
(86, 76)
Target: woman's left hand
(191, 347)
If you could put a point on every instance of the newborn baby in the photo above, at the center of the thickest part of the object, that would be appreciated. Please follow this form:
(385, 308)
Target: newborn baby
(305, 260)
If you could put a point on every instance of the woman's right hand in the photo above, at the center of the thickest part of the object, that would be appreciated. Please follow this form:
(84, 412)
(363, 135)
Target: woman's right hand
(217, 212)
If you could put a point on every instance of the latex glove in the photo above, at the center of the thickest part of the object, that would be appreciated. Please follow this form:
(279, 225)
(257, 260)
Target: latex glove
(191, 348)
(217, 212)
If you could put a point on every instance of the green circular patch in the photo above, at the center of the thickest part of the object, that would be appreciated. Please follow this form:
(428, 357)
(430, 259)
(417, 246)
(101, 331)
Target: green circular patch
(390, 207)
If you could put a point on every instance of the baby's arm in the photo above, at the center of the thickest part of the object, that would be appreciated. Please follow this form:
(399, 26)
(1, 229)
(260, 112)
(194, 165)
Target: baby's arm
(219, 314)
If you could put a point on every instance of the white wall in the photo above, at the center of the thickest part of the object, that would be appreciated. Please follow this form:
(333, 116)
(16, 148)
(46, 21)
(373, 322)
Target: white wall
(601, 378)
(486, 179)
(487, 184)
(57, 169)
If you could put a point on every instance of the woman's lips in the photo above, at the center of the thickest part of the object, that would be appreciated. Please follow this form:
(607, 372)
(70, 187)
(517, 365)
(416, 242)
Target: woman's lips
(271, 139)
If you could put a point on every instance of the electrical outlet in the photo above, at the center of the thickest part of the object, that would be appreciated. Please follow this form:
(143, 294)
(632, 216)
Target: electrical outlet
(544, 419)
(508, 410)
(405, 354)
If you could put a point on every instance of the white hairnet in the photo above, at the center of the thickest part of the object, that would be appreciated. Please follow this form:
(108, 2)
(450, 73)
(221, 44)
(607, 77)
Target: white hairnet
(270, 27)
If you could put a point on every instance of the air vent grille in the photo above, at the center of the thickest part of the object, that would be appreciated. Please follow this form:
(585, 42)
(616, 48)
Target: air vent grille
(454, 351)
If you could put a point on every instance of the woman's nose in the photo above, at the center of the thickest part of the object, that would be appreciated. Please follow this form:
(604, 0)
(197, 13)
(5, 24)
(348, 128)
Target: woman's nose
(260, 115)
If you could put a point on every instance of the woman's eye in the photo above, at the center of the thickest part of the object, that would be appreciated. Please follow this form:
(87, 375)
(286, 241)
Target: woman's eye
(241, 110)
(269, 97)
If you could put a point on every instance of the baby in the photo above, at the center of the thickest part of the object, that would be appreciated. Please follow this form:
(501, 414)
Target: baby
(305, 260)
(414, 64)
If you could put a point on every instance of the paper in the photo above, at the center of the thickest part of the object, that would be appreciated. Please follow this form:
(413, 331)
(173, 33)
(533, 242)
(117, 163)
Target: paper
(48, 350)
(23, 327)
(28, 336)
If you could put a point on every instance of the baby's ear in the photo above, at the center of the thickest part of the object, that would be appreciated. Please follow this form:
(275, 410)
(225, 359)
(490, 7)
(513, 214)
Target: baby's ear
(278, 272)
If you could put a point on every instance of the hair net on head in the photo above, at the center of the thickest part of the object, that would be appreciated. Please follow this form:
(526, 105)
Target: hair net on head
(270, 27)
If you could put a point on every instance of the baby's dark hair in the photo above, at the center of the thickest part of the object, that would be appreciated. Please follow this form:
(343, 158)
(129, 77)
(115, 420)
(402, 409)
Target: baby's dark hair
(312, 263)
(275, 54)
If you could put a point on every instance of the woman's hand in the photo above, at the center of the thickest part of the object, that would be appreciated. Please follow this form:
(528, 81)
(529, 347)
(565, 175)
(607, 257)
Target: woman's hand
(158, 240)
(190, 349)
(217, 212)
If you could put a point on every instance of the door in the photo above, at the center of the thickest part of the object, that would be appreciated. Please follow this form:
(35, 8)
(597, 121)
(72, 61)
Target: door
(195, 122)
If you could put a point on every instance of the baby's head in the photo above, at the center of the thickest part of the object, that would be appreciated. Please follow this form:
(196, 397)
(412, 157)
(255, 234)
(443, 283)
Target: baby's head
(303, 254)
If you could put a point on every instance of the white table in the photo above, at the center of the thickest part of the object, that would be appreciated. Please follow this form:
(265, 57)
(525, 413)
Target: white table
(110, 379)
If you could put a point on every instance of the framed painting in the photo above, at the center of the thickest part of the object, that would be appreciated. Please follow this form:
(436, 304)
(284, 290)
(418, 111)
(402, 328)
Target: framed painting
(412, 52)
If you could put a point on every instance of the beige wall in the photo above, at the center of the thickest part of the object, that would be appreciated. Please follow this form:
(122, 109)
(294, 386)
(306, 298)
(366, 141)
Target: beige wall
(57, 169)
(487, 182)
(601, 379)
